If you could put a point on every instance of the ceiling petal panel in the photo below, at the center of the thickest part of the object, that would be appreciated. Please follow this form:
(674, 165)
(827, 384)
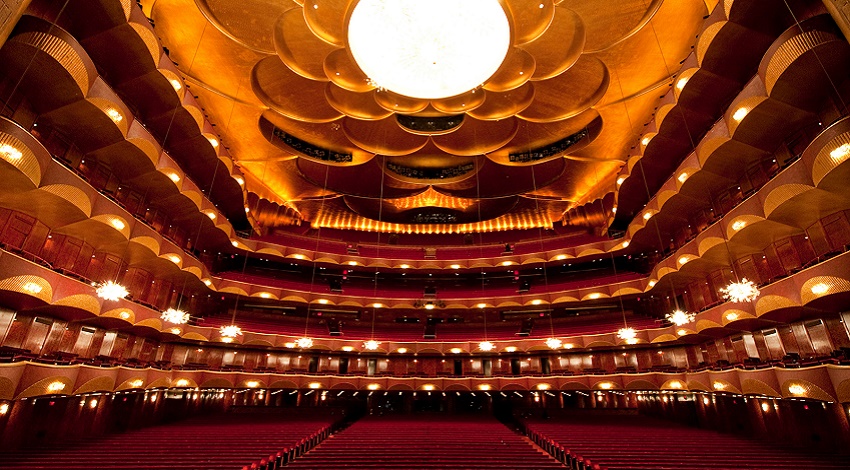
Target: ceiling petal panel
(356, 105)
(505, 104)
(290, 94)
(559, 47)
(461, 103)
(516, 69)
(383, 137)
(248, 22)
(614, 23)
(531, 18)
(341, 69)
(570, 93)
(476, 137)
(326, 18)
(299, 48)
(400, 104)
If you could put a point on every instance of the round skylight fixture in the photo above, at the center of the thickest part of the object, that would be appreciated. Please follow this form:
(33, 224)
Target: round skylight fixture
(429, 49)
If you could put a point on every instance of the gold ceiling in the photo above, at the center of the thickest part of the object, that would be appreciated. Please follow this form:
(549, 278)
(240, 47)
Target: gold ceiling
(555, 121)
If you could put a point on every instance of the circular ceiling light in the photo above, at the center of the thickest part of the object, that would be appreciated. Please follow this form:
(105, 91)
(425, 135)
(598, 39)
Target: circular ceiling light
(429, 50)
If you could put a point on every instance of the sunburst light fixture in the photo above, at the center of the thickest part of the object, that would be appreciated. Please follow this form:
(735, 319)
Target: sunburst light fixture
(626, 334)
(486, 346)
(305, 343)
(741, 291)
(173, 315)
(112, 291)
(370, 345)
(230, 331)
(680, 317)
(553, 343)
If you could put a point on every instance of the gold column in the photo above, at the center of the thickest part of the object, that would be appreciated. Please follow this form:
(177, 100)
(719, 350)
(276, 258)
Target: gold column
(840, 11)
(10, 12)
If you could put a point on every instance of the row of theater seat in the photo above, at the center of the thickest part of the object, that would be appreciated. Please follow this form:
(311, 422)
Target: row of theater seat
(620, 442)
(426, 442)
(215, 442)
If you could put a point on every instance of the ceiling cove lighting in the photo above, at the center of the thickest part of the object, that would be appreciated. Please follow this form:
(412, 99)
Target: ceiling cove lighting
(429, 50)
(115, 115)
(680, 317)
(796, 389)
(839, 154)
(111, 291)
(820, 289)
(173, 315)
(10, 153)
(741, 291)
(740, 114)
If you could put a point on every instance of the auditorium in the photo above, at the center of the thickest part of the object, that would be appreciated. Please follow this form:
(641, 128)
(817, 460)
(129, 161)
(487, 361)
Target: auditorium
(410, 234)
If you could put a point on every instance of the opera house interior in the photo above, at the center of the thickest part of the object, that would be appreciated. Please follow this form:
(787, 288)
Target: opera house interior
(409, 234)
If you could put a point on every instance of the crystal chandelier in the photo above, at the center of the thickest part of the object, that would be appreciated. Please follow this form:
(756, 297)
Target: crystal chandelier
(172, 315)
(626, 333)
(486, 346)
(230, 331)
(370, 345)
(304, 343)
(742, 291)
(111, 291)
(680, 317)
(553, 343)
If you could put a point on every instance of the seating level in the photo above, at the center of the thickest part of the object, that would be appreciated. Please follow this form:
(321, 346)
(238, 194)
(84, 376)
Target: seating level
(415, 292)
(593, 324)
(621, 442)
(426, 442)
(213, 442)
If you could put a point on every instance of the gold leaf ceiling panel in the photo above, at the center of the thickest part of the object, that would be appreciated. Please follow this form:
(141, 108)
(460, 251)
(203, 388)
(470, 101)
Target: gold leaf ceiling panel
(341, 69)
(326, 18)
(505, 104)
(299, 48)
(587, 82)
(531, 18)
(477, 137)
(291, 94)
(355, 105)
(517, 68)
(384, 137)
(559, 47)
(270, 71)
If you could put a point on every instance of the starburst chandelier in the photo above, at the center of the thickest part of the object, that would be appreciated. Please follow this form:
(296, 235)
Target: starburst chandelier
(370, 345)
(230, 331)
(553, 343)
(486, 346)
(173, 315)
(742, 291)
(112, 291)
(680, 317)
(304, 343)
(626, 334)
